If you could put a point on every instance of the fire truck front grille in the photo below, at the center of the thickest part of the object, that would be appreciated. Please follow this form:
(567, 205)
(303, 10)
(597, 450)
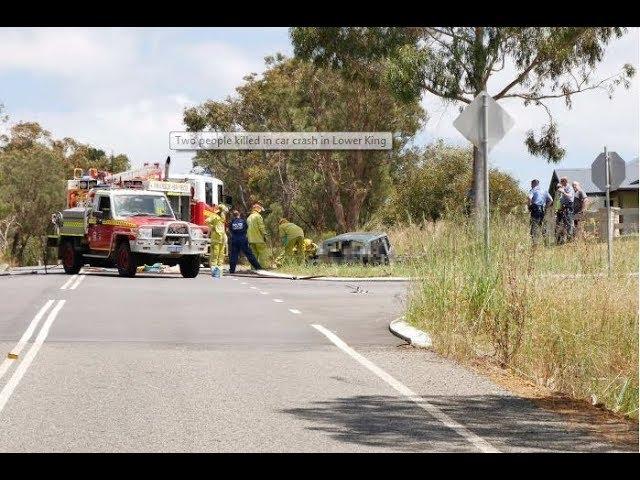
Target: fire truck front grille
(157, 232)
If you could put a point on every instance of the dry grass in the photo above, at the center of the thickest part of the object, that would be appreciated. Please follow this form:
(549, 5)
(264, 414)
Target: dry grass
(573, 334)
(551, 314)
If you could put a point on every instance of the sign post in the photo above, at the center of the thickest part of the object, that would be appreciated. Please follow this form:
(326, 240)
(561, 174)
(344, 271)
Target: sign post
(485, 166)
(484, 123)
(608, 171)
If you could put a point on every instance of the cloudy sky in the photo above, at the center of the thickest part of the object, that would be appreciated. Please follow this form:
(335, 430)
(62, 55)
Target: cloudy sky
(125, 89)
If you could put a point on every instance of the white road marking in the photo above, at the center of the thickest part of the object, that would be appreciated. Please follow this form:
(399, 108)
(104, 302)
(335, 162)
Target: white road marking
(75, 285)
(243, 283)
(264, 293)
(293, 310)
(68, 282)
(479, 442)
(253, 288)
(22, 367)
(277, 300)
(26, 336)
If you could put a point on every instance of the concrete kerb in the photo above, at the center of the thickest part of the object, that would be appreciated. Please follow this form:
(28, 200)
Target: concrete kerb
(410, 334)
(32, 270)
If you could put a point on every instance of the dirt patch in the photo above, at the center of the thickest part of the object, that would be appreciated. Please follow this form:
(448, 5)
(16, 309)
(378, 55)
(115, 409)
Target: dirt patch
(579, 414)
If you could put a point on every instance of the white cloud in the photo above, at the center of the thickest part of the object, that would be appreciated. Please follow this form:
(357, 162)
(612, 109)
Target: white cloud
(121, 89)
(220, 63)
(66, 52)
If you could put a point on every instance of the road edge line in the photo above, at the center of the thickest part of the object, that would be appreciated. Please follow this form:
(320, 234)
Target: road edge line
(15, 351)
(477, 441)
(68, 282)
(5, 393)
(77, 282)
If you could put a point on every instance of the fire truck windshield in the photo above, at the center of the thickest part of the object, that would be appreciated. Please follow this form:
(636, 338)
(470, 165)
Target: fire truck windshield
(142, 205)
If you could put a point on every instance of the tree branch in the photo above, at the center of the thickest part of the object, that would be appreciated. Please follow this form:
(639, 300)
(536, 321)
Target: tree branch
(566, 93)
(519, 78)
(439, 94)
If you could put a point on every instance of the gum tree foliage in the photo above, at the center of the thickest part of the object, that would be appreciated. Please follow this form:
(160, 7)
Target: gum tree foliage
(319, 189)
(457, 63)
(34, 168)
(433, 182)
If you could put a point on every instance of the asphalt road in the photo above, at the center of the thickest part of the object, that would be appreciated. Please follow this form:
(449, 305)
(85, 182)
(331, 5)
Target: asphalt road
(162, 363)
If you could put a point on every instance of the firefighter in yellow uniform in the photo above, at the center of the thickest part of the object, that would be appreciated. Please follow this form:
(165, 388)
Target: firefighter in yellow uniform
(216, 223)
(293, 238)
(225, 240)
(257, 235)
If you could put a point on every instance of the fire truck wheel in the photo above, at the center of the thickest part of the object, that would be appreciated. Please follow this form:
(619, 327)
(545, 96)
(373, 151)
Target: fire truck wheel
(71, 260)
(125, 260)
(190, 266)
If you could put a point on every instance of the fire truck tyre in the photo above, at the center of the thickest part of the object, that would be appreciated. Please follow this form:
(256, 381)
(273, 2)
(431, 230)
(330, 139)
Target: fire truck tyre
(125, 260)
(190, 266)
(71, 260)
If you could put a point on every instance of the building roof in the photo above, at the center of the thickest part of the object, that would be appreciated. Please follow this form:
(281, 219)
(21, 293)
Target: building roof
(583, 176)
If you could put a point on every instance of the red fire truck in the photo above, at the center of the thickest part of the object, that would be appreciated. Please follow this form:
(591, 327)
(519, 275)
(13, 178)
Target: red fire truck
(127, 220)
(206, 190)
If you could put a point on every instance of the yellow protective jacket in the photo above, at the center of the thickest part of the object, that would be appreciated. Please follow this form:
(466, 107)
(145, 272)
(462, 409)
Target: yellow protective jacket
(288, 231)
(216, 222)
(256, 231)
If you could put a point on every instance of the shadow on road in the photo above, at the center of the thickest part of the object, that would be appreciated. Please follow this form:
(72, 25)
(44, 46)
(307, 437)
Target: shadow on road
(509, 423)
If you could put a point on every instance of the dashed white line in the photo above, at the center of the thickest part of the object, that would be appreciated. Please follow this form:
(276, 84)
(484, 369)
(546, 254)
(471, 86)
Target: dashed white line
(296, 311)
(244, 283)
(68, 282)
(4, 366)
(253, 288)
(479, 442)
(264, 293)
(77, 282)
(277, 300)
(8, 389)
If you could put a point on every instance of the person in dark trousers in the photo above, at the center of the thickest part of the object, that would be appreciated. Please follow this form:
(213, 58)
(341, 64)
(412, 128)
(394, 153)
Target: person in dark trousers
(564, 220)
(539, 200)
(239, 243)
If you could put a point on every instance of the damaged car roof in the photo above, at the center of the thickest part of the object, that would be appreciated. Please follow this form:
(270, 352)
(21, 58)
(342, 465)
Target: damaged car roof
(363, 237)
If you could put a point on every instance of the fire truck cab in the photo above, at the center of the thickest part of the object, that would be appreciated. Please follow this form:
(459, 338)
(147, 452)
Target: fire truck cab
(207, 191)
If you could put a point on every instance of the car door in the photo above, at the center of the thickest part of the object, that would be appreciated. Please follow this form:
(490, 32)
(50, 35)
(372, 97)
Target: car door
(101, 229)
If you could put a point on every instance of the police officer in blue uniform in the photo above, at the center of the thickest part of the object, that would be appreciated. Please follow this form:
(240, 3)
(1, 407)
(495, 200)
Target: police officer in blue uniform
(239, 243)
(538, 202)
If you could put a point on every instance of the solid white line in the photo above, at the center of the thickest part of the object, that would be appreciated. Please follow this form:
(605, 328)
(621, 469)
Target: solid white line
(8, 389)
(75, 285)
(293, 310)
(4, 366)
(434, 411)
(277, 300)
(68, 282)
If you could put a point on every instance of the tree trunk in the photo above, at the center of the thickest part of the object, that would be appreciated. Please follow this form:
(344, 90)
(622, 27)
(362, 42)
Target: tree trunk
(356, 200)
(16, 242)
(333, 186)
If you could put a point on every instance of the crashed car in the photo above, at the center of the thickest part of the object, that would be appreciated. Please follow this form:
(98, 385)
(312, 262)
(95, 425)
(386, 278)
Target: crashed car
(357, 247)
